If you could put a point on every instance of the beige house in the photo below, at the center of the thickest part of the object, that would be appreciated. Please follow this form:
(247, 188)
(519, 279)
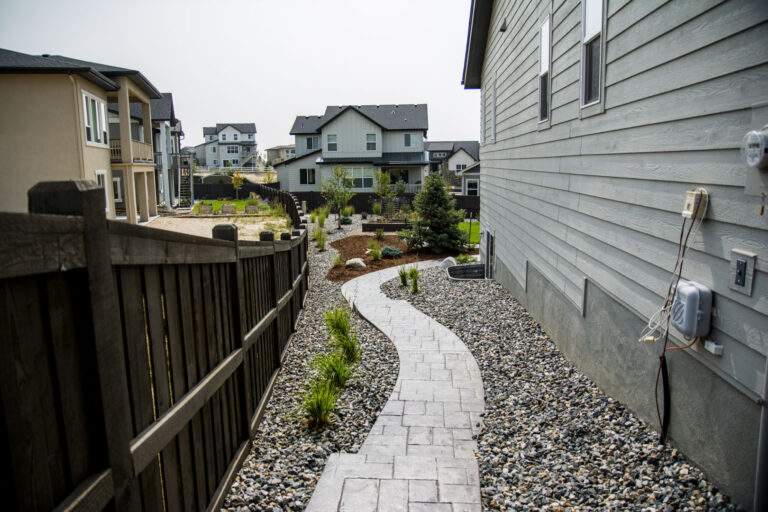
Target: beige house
(278, 154)
(55, 126)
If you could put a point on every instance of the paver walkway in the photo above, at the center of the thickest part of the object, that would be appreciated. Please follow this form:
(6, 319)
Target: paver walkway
(419, 455)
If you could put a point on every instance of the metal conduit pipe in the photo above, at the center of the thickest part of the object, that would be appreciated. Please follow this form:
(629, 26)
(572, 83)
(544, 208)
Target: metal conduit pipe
(760, 503)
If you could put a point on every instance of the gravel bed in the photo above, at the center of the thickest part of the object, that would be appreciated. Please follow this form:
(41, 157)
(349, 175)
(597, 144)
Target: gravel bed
(551, 439)
(286, 458)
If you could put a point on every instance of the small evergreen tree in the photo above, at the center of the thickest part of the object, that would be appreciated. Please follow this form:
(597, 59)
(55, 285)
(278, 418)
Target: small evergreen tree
(438, 220)
(337, 191)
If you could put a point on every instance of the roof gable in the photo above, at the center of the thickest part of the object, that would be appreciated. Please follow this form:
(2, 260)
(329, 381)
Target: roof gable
(477, 34)
(411, 116)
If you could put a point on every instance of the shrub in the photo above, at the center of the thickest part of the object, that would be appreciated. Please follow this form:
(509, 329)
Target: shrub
(412, 239)
(345, 221)
(288, 224)
(463, 258)
(321, 221)
(320, 240)
(348, 211)
(376, 208)
(338, 261)
(375, 250)
(391, 252)
(253, 201)
(438, 222)
(312, 217)
(347, 346)
(319, 403)
(413, 274)
(379, 234)
(337, 322)
(333, 368)
(403, 273)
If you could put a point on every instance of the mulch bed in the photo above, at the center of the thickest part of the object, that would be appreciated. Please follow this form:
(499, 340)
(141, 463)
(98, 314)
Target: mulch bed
(355, 246)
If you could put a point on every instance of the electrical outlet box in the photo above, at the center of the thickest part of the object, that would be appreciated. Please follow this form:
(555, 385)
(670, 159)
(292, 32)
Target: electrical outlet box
(742, 271)
(692, 204)
(692, 309)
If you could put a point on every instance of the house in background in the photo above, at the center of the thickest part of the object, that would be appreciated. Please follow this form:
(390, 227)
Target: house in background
(55, 127)
(469, 180)
(228, 145)
(452, 157)
(168, 133)
(597, 118)
(361, 138)
(277, 154)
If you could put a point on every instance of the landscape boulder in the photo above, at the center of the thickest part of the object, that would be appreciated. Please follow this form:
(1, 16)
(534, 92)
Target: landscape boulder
(355, 263)
(448, 262)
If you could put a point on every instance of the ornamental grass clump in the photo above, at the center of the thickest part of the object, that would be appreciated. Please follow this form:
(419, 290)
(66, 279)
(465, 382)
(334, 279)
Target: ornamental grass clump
(333, 368)
(337, 322)
(461, 259)
(379, 234)
(374, 250)
(402, 272)
(343, 340)
(413, 275)
(320, 240)
(319, 403)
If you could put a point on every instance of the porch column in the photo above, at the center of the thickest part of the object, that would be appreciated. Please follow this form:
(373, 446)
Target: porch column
(124, 114)
(141, 195)
(150, 178)
(129, 185)
(146, 115)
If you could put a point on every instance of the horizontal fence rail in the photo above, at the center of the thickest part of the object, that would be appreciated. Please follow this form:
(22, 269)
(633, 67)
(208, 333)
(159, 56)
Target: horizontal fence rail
(137, 362)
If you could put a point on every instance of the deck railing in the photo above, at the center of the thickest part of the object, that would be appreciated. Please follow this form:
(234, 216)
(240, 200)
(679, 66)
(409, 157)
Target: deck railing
(137, 362)
(141, 151)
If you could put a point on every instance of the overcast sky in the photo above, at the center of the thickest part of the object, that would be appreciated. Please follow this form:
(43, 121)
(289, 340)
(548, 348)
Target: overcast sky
(266, 61)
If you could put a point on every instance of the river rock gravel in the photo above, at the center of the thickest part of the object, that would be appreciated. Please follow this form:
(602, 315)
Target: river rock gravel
(286, 458)
(551, 439)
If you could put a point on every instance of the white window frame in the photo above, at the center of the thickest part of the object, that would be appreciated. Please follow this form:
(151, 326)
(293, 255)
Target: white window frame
(233, 150)
(461, 167)
(118, 192)
(368, 141)
(101, 127)
(313, 142)
(363, 174)
(588, 34)
(335, 142)
(407, 140)
(466, 187)
(103, 175)
(545, 72)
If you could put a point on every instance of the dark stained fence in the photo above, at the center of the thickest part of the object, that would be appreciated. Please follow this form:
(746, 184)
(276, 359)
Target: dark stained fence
(136, 362)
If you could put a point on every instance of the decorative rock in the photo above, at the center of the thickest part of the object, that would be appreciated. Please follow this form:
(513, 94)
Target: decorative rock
(355, 263)
(206, 209)
(251, 209)
(448, 262)
(227, 209)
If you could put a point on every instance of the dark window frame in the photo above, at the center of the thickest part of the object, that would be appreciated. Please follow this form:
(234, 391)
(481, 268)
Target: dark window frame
(307, 176)
(592, 63)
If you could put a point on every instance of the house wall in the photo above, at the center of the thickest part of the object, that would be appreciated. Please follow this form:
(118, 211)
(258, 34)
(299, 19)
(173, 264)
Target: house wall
(50, 107)
(593, 202)
(301, 144)
(351, 128)
(461, 157)
(394, 141)
(288, 174)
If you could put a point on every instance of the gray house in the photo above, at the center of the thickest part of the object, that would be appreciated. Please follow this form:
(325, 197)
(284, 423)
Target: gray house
(597, 116)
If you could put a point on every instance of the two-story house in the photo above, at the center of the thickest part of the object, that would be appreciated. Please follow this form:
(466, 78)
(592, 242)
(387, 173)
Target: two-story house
(228, 145)
(167, 135)
(55, 126)
(459, 162)
(597, 119)
(277, 154)
(362, 139)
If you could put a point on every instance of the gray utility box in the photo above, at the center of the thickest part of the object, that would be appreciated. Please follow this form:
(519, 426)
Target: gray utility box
(692, 309)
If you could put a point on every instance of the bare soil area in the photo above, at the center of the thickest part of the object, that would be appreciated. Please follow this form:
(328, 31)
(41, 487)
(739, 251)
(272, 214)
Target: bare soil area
(248, 227)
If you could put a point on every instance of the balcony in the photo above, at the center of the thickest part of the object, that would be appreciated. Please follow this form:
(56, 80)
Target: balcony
(141, 151)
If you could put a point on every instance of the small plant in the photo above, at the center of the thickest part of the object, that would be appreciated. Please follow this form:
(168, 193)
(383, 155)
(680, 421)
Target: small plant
(374, 250)
(321, 221)
(319, 403)
(337, 322)
(338, 261)
(461, 259)
(312, 217)
(402, 272)
(377, 208)
(348, 346)
(412, 239)
(333, 368)
(346, 221)
(348, 211)
(413, 275)
(320, 240)
(391, 252)
(379, 234)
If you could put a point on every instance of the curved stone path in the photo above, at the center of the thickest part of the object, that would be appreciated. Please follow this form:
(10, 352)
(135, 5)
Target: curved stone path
(419, 455)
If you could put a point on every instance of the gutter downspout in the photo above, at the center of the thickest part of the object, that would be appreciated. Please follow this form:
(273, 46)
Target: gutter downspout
(77, 131)
(760, 503)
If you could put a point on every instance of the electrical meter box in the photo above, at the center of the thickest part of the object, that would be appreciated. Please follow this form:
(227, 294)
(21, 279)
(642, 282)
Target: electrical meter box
(692, 309)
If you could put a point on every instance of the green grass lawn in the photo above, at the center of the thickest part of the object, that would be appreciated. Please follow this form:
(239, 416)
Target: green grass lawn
(474, 237)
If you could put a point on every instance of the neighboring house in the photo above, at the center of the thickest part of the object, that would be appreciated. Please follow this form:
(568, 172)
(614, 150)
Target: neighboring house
(452, 157)
(167, 143)
(596, 118)
(362, 139)
(278, 154)
(228, 145)
(469, 180)
(55, 127)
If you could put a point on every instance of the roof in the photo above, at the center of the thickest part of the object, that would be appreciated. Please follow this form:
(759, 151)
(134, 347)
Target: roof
(389, 117)
(472, 147)
(162, 108)
(100, 74)
(477, 34)
(284, 146)
(472, 169)
(289, 160)
(386, 159)
(241, 127)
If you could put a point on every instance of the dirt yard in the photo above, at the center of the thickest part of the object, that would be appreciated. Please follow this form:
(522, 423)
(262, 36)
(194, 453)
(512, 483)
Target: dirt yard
(248, 227)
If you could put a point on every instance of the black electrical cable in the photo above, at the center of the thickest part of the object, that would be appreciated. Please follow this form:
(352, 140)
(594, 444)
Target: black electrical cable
(667, 392)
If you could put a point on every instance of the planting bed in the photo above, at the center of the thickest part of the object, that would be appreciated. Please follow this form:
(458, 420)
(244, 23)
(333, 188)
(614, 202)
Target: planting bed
(551, 439)
(287, 458)
(387, 227)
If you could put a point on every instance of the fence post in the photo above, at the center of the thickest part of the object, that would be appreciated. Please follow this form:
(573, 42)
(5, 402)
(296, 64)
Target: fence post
(86, 199)
(237, 289)
(292, 305)
(268, 236)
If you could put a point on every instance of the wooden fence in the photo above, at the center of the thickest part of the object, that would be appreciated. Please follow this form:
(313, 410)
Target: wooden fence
(136, 362)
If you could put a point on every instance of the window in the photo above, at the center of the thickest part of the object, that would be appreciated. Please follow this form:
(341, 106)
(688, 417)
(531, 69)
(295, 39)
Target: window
(236, 162)
(100, 180)
(215, 162)
(232, 150)
(472, 187)
(461, 167)
(407, 140)
(544, 74)
(223, 136)
(117, 189)
(591, 52)
(313, 142)
(439, 155)
(307, 176)
(234, 136)
(213, 149)
(95, 117)
(250, 135)
(332, 142)
(361, 178)
(370, 141)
